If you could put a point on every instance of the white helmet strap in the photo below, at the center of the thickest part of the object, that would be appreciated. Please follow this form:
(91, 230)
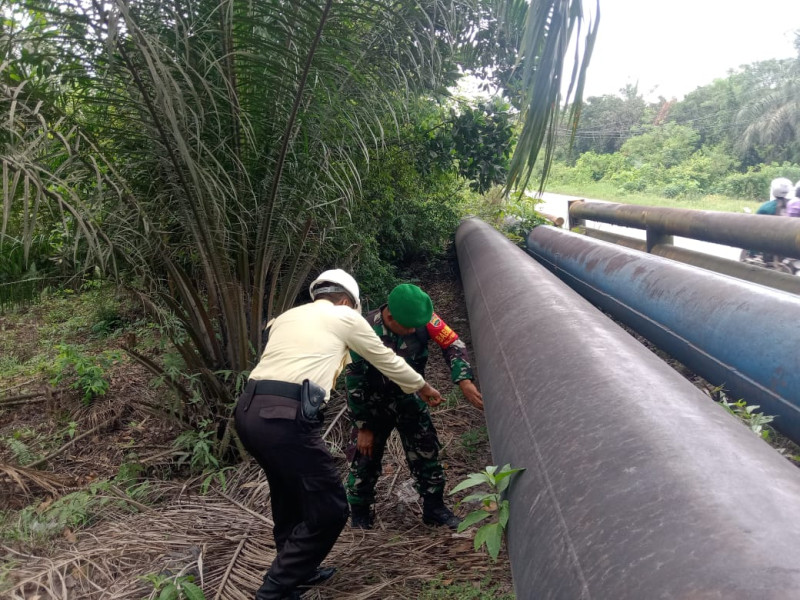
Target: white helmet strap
(327, 288)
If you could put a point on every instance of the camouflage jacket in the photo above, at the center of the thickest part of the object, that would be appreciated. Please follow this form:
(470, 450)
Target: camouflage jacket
(368, 389)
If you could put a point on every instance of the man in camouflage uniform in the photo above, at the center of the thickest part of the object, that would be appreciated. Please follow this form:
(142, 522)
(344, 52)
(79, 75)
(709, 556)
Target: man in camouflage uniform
(377, 406)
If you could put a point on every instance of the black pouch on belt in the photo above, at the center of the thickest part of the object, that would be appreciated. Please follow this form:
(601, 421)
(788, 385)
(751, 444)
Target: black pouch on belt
(312, 397)
(246, 396)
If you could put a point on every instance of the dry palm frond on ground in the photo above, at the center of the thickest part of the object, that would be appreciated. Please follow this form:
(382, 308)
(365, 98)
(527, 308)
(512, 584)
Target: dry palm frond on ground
(219, 530)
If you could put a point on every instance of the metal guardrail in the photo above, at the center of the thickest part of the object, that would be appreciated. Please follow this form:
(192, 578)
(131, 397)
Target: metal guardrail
(777, 235)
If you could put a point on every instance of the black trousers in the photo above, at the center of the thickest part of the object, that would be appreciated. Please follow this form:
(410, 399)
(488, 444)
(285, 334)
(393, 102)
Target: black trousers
(309, 506)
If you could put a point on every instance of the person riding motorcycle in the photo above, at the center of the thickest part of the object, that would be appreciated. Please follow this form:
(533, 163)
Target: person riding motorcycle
(781, 193)
(781, 190)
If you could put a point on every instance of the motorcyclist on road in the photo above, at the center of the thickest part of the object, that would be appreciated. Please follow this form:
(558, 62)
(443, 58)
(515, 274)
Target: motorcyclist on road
(781, 203)
(781, 190)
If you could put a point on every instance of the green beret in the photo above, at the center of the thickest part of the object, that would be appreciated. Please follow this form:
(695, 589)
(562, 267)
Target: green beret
(410, 306)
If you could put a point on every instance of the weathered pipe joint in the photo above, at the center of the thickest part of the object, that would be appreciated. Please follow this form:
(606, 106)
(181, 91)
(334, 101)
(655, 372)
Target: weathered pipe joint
(733, 333)
(637, 486)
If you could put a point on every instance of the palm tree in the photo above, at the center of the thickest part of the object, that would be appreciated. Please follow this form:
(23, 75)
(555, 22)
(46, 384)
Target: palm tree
(204, 152)
(770, 118)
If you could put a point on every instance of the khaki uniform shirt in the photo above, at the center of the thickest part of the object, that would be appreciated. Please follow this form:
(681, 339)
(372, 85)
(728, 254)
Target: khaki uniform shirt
(313, 341)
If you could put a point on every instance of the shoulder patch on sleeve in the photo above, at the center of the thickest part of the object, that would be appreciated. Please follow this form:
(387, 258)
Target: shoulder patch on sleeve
(441, 332)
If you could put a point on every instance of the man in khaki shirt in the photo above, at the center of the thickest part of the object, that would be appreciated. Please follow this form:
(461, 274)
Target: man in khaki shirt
(309, 506)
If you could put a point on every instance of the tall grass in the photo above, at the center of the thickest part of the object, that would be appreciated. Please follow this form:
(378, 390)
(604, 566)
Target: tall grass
(612, 193)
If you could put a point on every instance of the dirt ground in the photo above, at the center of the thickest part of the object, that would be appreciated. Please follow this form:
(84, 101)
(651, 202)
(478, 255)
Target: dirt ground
(118, 539)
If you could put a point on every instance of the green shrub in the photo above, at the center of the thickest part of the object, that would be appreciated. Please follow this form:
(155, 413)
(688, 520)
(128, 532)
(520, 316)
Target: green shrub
(594, 167)
(196, 448)
(443, 589)
(754, 184)
(20, 450)
(88, 374)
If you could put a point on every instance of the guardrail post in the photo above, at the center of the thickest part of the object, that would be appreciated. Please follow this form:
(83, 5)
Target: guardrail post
(572, 222)
(657, 236)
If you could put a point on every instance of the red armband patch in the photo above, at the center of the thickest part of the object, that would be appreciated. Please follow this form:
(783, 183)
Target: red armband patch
(441, 332)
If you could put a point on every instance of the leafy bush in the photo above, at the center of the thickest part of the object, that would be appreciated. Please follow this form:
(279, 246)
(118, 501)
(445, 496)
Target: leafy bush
(755, 182)
(197, 447)
(664, 146)
(89, 374)
(25, 272)
(481, 141)
(107, 319)
(681, 189)
(594, 167)
(403, 216)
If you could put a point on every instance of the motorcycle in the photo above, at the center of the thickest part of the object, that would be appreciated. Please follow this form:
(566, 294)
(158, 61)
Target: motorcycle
(782, 264)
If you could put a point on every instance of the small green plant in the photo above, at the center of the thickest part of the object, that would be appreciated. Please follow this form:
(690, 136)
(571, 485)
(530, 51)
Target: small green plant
(180, 587)
(129, 472)
(107, 320)
(89, 373)
(71, 430)
(239, 378)
(452, 399)
(49, 519)
(21, 451)
(21, 443)
(197, 447)
(443, 588)
(492, 504)
(6, 572)
(472, 439)
(757, 422)
(218, 477)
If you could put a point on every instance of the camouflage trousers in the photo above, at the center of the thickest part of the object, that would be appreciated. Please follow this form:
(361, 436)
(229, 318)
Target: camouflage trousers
(410, 416)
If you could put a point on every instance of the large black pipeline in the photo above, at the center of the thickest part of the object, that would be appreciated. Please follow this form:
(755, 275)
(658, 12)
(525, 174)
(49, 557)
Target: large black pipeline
(733, 333)
(637, 486)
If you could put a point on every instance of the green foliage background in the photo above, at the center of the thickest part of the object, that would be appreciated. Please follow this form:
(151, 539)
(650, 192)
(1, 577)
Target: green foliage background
(729, 138)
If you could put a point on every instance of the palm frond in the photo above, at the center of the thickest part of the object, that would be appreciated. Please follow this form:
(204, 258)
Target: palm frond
(548, 34)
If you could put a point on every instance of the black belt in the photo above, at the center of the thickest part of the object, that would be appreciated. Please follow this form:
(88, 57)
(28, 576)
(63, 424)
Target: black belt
(269, 387)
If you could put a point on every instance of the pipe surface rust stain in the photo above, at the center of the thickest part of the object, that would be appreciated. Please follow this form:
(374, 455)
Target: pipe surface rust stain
(591, 264)
(617, 263)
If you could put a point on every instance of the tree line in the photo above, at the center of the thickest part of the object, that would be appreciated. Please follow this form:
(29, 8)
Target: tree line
(730, 137)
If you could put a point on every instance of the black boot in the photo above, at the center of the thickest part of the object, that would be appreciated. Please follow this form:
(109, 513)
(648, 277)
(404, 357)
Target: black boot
(272, 590)
(320, 575)
(434, 512)
(361, 516)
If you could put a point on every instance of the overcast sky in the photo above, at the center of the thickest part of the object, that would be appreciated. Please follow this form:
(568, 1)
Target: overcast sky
(673, 47)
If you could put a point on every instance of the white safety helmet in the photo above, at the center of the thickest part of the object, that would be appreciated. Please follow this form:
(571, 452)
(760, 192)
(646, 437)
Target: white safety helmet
(337, 280)
(781, 188)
